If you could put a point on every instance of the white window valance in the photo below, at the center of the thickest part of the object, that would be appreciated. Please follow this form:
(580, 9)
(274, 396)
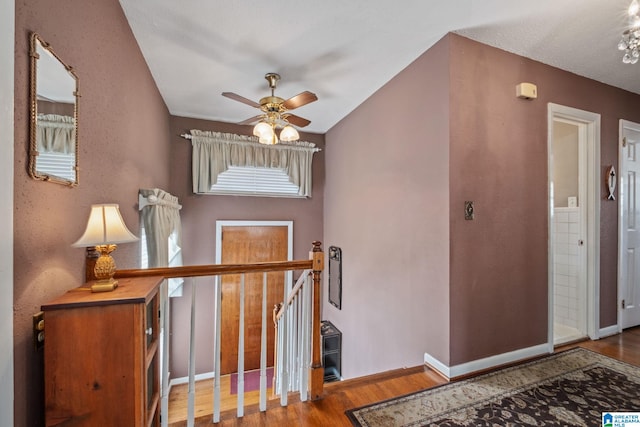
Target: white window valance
(56, 134)
(215, 152)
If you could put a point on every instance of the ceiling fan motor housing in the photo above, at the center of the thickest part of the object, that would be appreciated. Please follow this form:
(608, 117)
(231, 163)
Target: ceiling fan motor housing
(275, 109)
(272, 104)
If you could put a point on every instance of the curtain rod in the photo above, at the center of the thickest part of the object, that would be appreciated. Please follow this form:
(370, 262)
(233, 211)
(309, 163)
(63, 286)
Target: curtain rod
(187, 136)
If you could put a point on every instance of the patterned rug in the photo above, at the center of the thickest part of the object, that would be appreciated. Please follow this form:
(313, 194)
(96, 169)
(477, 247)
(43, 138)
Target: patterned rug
(572, 388)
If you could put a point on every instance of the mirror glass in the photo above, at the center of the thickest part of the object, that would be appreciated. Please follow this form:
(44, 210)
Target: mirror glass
(53, 148)
(335, 276)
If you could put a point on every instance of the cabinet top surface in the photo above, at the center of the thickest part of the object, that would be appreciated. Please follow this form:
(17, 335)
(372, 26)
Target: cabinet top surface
(129, 291)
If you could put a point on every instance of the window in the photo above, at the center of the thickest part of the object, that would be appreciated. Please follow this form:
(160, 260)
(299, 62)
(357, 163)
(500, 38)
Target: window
(160, 233)
(175, 259)
(225, 163)
(62, 165)
(245, 180)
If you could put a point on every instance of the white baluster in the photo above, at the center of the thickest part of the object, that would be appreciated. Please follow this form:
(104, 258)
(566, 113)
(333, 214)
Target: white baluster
(293, 344)
(216, 360)
(303, 340)
(192, 358)
(263, 347)
(241, 351)
(308, 344)
(284, 380)
(299, 339)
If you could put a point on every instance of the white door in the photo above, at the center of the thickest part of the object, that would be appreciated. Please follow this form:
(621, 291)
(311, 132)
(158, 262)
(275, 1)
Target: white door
(629, 224)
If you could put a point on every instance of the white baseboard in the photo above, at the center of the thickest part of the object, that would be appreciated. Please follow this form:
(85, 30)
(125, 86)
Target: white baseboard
(487, 362)
(185, 380)
(608, 331)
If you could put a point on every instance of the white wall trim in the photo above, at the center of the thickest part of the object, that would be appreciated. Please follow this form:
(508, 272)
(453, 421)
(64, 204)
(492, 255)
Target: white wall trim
(487, 362)
(232, 223)
(608, 331)
(590, 124)
(198, 377)
(7, 59)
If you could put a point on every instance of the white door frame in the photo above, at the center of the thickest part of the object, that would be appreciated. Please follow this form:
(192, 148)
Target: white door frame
(7, 58)
(621, 202)
(589, 126)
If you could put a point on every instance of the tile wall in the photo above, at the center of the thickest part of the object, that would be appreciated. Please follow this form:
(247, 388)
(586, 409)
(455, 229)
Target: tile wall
(566, 266)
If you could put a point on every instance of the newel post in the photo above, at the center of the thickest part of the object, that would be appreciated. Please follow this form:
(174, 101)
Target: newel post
(316, 372)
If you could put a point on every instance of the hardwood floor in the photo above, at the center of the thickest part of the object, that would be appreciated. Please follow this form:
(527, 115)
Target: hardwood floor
(343, 395)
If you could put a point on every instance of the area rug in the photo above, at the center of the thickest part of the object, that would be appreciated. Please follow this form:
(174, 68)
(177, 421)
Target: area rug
(572, 388)
(251, 380)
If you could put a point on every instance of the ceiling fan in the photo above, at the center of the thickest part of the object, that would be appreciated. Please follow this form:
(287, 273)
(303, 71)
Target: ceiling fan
(275, 113)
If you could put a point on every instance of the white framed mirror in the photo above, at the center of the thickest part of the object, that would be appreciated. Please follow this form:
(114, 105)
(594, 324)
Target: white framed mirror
(53, 148)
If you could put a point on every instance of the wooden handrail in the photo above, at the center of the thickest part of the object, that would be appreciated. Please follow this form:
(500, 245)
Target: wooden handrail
(215, 269)
(292, 295)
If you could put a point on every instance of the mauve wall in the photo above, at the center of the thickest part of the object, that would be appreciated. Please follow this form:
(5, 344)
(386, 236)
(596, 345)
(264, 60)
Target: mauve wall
(124, 145)
(199, 215)
(499, 160)
(387, 207)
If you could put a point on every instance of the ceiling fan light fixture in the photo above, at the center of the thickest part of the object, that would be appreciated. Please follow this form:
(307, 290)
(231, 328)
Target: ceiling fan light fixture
(263, 130)
(275, 113)
(289, 133)
(268, 140)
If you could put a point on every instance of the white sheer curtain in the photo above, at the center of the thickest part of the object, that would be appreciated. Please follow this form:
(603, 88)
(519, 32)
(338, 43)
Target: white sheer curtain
(214, 152)
(160, 213)
(56, 134)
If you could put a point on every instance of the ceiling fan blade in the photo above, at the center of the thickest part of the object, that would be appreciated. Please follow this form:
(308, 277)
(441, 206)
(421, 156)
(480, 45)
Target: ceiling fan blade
(299, 100)
(251, 120)
(242, 99)
(296, 120)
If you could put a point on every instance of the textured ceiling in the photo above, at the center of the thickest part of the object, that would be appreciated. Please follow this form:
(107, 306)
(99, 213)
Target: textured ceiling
(346, 50)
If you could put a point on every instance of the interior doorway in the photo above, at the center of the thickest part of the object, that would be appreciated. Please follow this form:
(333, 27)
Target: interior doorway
(573, 159)
(240, 242)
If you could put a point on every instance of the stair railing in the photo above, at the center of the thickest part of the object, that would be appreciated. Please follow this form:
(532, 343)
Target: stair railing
(298, 332)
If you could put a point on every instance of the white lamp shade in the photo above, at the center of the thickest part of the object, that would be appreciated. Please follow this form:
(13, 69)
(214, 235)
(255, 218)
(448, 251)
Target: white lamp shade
(289, 133)
(268, 139)
(105, 226)
(263, 130)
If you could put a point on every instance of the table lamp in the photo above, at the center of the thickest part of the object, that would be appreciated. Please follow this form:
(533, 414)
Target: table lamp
(105, 229)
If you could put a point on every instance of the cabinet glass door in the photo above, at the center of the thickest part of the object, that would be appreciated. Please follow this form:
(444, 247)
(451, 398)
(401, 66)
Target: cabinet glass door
(152, 380)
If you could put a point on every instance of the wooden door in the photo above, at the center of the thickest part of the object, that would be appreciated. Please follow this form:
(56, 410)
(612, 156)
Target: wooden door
(248, 244)
(629, 222)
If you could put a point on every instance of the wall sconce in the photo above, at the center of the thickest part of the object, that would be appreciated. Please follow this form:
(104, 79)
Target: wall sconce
(105, 229)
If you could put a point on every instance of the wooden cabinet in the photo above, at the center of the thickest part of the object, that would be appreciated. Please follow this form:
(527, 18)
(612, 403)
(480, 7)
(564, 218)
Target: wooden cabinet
(101, 356)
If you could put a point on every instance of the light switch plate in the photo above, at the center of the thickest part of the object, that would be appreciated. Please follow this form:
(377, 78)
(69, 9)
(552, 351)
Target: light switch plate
(468, 210)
